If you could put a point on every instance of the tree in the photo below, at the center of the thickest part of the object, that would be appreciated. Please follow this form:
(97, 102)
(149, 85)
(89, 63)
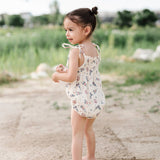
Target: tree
(124, 19)
(56, 17)
(2, 20)
(41, 20)
(145, 17)
(16, 20)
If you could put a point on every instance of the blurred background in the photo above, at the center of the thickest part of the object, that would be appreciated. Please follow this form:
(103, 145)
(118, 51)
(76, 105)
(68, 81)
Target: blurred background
(128, 32)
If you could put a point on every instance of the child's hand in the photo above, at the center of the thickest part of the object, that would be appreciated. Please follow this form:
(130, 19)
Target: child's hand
(54, 78)
(60, 68)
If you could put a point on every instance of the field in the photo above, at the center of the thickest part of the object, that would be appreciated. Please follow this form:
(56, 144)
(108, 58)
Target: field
(22, 50)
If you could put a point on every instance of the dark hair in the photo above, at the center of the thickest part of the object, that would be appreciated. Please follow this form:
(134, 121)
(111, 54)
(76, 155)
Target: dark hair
(84, 17)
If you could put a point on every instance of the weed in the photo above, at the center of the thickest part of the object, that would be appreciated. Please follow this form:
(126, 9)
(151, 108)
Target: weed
(108, 96)
(154, 109)
(58, 107)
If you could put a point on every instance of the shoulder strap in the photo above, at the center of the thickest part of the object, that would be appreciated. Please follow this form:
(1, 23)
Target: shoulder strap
(80, 47)
(98, 48)
(66, 45)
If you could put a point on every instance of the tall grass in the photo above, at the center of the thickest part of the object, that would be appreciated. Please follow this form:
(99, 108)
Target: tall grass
(22, 50)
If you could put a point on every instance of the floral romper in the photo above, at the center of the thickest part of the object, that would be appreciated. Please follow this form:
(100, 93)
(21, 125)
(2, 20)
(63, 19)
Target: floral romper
(87, 97)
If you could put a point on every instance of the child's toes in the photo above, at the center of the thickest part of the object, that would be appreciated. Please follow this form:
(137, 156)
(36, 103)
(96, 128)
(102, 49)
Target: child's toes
(84, 158)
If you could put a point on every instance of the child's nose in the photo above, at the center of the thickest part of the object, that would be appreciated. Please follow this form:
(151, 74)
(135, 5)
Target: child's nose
(67, 33)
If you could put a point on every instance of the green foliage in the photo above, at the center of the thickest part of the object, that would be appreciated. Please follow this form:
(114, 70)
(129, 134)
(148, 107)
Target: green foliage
(41, 20)
(101, 36)
(120, 39)
(5, 78)
(98, 25)
(24, 49)
(56, 17)
(147, 34)
(154, 108)
(124, 19)
(26, 39)
(144, 77)
(145, 17)
(2, 21)
(142, 18)
(135, 72)
(16, 21)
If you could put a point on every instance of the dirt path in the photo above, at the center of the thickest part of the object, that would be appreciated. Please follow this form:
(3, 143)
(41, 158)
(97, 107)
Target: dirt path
(35, 122)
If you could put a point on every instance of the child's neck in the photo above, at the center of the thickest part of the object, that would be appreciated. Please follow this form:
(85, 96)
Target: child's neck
(86, 41)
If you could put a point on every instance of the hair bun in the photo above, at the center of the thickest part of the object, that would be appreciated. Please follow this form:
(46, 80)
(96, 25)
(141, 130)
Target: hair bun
(94, 10)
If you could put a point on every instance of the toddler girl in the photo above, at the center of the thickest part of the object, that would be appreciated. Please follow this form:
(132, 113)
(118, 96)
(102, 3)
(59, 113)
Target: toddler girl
(84, 86)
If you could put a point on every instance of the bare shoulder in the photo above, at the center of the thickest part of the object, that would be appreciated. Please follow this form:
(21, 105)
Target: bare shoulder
(91, 50)
(74, 52)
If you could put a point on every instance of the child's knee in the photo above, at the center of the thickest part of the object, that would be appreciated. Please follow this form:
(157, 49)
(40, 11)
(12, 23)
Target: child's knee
(89, 131)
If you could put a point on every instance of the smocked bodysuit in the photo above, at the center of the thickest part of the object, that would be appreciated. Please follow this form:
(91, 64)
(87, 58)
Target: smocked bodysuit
(86, 94)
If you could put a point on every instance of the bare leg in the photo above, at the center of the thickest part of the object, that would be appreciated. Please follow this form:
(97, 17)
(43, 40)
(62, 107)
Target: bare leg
(90, 139)
(78, 127)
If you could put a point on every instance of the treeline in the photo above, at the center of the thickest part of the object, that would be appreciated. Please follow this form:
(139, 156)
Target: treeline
(142, 18)
(55, 18)
(122, 19)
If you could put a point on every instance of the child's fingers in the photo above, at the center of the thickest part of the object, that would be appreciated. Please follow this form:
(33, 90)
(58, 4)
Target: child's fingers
(60, 65)
(57, 68)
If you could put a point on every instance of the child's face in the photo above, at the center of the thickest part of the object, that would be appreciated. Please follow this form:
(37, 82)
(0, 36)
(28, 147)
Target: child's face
(74, 32)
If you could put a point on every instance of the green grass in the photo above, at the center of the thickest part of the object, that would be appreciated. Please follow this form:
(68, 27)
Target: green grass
(154, 109)
(22, 50)
(30, 59)
(6, 79)
(135, 73)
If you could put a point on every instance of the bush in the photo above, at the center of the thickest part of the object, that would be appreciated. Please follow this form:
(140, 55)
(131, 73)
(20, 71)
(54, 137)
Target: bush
(124, 19)
(101, 36)
(145, 17)
(16, 20)
(147, 35)
(41, 20)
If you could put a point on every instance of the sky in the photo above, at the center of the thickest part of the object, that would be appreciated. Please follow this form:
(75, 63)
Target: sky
(38, 7)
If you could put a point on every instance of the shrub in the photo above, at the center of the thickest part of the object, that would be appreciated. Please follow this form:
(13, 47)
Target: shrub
(16, 20)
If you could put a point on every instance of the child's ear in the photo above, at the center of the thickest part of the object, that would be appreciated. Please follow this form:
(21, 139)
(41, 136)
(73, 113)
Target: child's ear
(87, 30)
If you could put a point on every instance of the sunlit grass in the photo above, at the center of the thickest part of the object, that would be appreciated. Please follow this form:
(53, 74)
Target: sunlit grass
(22, 50)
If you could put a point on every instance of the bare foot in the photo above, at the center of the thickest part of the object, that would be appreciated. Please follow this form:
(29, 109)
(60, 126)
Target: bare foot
(84, 158)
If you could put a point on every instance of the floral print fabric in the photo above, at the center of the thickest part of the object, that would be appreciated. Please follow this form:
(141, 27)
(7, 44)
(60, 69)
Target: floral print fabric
(87, 97)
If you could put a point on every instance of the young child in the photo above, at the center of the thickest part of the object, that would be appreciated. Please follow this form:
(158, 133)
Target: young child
(84, 86)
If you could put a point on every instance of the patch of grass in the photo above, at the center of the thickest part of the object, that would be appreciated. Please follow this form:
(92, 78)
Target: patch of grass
(6, 79)
(64, 106)
(154, 109)
(134, 92)
(118, 99)
(108, 96)
(58, 107)
(134, 73)
(143, 78)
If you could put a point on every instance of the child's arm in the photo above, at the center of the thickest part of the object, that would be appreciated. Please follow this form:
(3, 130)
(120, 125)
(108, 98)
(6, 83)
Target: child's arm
(61, 68)
(71, 74)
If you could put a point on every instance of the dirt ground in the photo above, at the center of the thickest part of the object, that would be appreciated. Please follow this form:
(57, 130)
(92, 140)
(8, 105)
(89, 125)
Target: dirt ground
(35, 122)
